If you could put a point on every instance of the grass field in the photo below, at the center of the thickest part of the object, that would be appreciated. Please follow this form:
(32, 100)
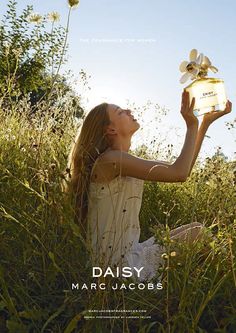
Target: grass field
(42, 252)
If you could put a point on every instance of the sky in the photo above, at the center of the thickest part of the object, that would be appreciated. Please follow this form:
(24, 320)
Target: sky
(131, 51)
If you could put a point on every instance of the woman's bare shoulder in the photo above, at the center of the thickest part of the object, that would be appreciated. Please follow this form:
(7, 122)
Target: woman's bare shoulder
(113, 155)
(103, 170)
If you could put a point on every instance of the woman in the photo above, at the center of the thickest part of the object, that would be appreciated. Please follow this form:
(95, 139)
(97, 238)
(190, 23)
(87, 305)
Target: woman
(108, 183)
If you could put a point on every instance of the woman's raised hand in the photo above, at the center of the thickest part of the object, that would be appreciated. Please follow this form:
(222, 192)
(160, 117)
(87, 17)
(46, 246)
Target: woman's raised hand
(187, 110)
(208, 118)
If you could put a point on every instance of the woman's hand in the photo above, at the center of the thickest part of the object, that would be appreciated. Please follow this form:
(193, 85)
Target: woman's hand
(208, 118)
(187, 110)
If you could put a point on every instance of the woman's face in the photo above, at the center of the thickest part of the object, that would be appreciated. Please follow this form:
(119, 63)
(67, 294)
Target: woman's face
(122, 121)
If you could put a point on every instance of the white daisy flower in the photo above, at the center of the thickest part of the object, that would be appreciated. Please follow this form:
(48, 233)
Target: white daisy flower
(35, 18)
(53, 16)
(191, 68)
(164, 255)
(197, 67)
(206, 63)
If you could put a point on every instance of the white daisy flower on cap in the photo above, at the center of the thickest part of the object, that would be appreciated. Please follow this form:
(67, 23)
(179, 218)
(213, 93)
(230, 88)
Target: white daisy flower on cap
(206, 64)
(191, 68)
(197, 67)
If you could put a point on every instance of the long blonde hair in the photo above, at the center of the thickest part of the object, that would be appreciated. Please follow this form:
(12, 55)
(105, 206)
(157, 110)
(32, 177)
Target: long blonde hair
(89, 144)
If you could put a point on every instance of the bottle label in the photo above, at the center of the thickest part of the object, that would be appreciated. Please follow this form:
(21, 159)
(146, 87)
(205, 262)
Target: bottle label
(207, 94)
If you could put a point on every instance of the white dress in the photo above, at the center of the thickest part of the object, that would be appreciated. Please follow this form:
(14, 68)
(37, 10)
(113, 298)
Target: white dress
(114, 229)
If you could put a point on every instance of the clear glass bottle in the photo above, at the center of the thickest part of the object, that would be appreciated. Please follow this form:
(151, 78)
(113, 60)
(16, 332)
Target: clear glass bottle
(209, 95)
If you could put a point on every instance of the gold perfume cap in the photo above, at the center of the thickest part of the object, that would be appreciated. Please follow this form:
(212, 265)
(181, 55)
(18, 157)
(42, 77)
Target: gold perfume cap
(197, 67)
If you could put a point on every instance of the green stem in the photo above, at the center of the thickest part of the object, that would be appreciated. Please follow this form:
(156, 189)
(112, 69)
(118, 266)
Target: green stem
(51, 46)
(64, 46)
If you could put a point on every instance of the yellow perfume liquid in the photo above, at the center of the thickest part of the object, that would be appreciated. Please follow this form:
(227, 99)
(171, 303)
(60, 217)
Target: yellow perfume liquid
(209, 95)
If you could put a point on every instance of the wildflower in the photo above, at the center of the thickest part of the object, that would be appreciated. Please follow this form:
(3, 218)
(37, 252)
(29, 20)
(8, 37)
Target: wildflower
(73, 3)
(53, 16)
(6, 43)
(7, 47)
(17, 51)
(173, 254)
(35, 18)
(164, 256)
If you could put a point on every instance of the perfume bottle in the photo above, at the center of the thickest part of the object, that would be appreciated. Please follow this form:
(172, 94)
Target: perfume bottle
(209, 92)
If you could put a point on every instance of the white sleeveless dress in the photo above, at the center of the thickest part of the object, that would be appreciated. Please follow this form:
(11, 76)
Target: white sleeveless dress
(114, 229)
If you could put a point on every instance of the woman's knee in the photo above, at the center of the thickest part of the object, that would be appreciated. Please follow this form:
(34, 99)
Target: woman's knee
(195, 224)
(191, 233)
(197, 232)
(180, 229)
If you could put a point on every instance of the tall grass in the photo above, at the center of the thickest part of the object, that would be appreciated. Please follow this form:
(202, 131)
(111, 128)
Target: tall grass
(42, 252)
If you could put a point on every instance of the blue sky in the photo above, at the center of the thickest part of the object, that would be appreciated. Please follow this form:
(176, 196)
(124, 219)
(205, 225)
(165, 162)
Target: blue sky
(132, 50)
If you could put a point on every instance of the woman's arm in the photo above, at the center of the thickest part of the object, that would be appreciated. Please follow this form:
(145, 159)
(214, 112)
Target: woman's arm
(118, 162)
(184, 161)
(200, 136)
